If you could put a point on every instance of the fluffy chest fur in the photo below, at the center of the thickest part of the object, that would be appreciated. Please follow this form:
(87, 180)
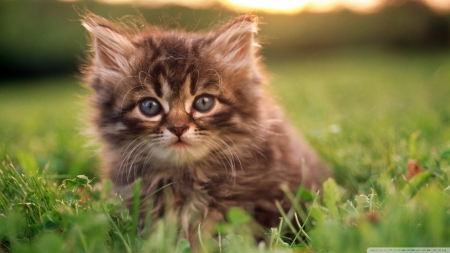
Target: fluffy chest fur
(190, 110)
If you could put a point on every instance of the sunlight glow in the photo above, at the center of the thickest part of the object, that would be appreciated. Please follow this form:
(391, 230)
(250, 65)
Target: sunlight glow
(295, 6)
(363, 5)
(284, 6)
(157, 3)
(439, 5)
(323, 5)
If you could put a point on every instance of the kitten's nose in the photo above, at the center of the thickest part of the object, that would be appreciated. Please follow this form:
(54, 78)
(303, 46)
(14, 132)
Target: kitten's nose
(178, 130)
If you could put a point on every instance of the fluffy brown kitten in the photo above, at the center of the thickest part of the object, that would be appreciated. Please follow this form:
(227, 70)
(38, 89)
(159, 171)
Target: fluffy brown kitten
(191, 109)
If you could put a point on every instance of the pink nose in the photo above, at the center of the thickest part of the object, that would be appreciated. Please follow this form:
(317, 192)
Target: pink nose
(178, 130)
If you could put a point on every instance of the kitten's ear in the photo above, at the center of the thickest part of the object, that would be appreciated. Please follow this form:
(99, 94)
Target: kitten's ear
(111, 48)
(235, 41)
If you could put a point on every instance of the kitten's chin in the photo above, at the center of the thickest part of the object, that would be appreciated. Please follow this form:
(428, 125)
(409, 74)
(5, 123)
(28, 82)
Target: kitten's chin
(181, 154)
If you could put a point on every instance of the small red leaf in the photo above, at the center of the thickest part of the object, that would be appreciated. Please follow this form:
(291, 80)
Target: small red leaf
(413, 169)
(373, 217)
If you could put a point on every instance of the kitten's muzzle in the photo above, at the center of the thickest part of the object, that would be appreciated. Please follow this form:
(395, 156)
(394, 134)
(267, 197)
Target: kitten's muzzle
(178, 130)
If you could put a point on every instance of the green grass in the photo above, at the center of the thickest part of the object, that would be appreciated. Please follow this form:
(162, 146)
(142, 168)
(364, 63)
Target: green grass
(368, 112)
(43, 119)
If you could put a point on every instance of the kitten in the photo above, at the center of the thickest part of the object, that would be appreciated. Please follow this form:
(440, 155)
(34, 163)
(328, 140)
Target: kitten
(191, 109)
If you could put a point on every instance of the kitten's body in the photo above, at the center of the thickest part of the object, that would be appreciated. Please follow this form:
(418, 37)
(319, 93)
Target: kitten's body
(236, 153)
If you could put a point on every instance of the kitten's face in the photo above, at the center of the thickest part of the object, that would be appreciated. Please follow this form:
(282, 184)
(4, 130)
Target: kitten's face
(174, 98)
(177, 111)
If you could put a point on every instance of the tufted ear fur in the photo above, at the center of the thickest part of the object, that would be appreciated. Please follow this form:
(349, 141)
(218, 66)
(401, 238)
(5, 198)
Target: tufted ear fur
(111, 48)
(235, 41)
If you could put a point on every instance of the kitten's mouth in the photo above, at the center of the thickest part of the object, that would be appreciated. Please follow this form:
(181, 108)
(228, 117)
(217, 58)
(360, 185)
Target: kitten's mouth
(180, 144)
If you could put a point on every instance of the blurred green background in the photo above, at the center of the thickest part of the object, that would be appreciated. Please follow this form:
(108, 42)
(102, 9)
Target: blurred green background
(46, 38)
(373, 78)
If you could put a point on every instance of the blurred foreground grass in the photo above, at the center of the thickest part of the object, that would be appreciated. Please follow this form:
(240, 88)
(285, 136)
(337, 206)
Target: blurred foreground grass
(368, 112)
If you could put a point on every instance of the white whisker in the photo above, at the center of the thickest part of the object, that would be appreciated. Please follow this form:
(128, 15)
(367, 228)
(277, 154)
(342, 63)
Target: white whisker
(126, 94)
(233, 152)
(125, 158)
(121, 80)
(223, 151)
(128, 164)
(151, 150)
(220, 156)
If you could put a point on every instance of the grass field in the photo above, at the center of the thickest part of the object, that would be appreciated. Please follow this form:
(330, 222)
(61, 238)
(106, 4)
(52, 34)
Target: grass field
(369, 113)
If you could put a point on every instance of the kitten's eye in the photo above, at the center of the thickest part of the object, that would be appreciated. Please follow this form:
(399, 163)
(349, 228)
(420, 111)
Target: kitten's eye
(150, 107)
(204, 103)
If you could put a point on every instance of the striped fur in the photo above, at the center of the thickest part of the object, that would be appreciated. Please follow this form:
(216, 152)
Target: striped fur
(237, 153)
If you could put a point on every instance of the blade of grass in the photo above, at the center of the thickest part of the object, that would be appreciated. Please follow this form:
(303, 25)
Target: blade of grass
(331, 197)
(136, 204)
(125, 243)
(286, 218)
(302, 226)
(415, 183)
(295, 200)
(200, 240)
(160, 189)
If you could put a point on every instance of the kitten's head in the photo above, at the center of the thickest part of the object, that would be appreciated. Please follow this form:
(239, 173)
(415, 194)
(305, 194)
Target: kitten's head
(173, 97)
